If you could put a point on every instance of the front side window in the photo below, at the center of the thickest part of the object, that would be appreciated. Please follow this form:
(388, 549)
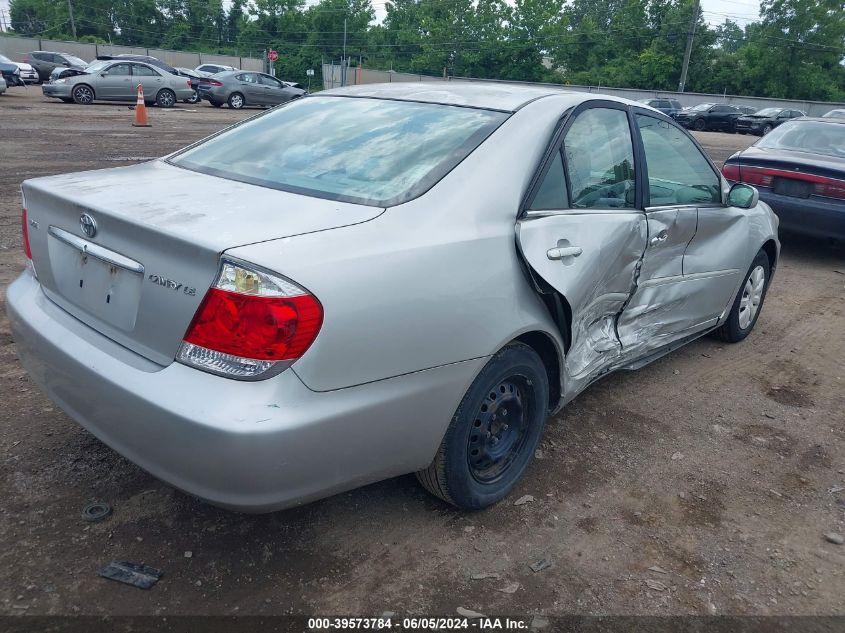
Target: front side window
(119, 70)
(143, 71)
(678, 173)
(368, 151)
(270, 81)
(599, 158)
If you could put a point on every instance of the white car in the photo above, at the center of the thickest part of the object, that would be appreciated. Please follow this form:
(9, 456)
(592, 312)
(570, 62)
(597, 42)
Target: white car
(2, 85)
(28, 74)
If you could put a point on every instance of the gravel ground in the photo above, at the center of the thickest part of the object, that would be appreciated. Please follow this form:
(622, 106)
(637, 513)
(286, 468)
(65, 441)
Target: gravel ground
(703, 483)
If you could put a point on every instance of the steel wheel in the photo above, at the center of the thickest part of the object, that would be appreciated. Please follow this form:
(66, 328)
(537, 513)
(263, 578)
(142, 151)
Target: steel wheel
(236, 101)
(498, 432)
(83, 95)
(752, 295)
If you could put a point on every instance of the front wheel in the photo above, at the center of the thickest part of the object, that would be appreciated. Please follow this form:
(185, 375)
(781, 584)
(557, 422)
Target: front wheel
(493, 434)
(766, 129)
(699, 125)
(236, 101)
(165, 98)
(83, 95)
(748, 303)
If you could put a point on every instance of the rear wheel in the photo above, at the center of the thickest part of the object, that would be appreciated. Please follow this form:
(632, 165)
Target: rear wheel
(83, 94)
(236, 101)
(194, 98)
(748, 303)
(494, 432)
(165, 98)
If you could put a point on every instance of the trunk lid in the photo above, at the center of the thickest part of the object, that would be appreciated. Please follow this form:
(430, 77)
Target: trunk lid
(160, 231)
(793, 160)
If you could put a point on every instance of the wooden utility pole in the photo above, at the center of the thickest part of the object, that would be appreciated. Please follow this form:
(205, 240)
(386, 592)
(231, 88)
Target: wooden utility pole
(688, 51)
(72, 23)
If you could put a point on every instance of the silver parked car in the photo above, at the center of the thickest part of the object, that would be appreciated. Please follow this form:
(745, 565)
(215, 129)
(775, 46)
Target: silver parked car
(379, 280)
(114, 80)
(241, 88)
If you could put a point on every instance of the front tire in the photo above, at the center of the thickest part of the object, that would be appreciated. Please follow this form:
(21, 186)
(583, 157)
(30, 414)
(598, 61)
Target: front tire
(699, 125)
(493, 434)
(83, 94)
(748, 303)
(766, 129)
(236, 101)
(165, 98)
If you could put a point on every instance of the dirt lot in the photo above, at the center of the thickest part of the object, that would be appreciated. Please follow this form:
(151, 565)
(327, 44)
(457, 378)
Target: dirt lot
(714, 472)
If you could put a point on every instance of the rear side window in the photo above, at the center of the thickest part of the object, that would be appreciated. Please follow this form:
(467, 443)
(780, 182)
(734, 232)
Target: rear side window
(600, 160)
(367, 151)
(552, 191)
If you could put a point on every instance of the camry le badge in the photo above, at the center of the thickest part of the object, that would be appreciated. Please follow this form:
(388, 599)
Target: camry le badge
(88, 225)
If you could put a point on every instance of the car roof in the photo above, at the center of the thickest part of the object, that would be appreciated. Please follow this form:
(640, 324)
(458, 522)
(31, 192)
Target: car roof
(490, 95)
(821, 119)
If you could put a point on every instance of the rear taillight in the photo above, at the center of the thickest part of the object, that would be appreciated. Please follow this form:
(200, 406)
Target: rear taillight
(731, 171)
(764, 177)
(251, 324)
(25, 236)
(756, 176)
(215, 83)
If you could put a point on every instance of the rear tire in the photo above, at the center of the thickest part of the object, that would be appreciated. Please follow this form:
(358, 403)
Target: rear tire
(165, 98)
(493, 434)
(236, 101)
(194, 98)
(83, 94)
(748, 303)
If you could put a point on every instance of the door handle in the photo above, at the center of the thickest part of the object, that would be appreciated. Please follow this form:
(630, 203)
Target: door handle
(660, 237)
(565, 251)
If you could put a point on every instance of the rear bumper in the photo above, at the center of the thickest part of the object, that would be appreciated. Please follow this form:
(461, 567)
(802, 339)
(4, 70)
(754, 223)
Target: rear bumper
(252, 446)
(818, 217)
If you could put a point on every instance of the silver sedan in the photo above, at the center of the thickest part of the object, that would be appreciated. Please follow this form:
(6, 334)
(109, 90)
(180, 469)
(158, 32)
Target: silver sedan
(240, 88)
(376, 281)
(115, 80)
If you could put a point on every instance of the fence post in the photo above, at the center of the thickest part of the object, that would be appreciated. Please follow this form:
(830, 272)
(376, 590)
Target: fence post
(39, 44)
(96, 50)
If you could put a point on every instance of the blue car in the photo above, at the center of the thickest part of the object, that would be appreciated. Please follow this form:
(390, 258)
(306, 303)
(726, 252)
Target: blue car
(799, 170)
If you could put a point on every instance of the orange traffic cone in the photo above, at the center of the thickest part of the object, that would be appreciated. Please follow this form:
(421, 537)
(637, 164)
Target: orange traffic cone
(140, 110)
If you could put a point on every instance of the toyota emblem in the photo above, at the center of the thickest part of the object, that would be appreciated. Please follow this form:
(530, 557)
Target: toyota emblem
(88, 225)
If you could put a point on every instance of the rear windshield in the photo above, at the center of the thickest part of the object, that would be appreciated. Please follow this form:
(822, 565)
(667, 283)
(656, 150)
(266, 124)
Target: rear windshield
(367, 151)
(814, 137)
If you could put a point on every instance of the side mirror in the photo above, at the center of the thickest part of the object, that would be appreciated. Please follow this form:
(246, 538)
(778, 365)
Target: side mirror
(743, 196)
(66, 64)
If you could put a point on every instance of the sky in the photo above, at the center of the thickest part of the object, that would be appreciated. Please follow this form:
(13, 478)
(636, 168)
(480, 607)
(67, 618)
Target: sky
(715, 11)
